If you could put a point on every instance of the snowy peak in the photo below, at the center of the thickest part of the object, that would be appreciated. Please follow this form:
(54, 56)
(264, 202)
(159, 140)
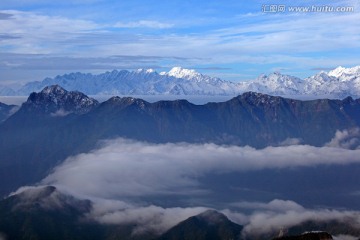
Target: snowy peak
(54, 90)
(340, 72)
(190, 82)
(338, 83)
(277, 84)
(320, 79)
(179, 72)
(337, 72)
(59, 102)
(277, 77)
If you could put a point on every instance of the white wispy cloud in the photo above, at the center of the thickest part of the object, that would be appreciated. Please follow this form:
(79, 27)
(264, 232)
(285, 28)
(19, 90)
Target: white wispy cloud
(289, 40)
(35, 33)
(275, 205)
(262, 37)
(143, 24)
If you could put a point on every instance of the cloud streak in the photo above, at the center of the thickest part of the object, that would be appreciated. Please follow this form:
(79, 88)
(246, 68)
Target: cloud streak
(143, 24)
(124, 168)
(34, 33)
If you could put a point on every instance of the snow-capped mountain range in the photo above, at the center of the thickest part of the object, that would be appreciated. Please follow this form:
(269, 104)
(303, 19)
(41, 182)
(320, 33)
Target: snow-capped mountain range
(338, 83)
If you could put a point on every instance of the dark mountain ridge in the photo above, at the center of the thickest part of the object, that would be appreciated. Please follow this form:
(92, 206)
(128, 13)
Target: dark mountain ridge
(54, 98)
(209, 225)
(55, 124)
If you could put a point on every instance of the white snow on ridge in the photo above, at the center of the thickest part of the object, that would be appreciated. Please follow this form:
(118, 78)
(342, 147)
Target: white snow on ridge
(341, 72)
(338, 83)
(179, 72)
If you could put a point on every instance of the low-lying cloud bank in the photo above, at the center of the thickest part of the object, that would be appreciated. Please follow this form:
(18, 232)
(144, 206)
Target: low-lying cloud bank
(121, 170)
(268, 218)
(261, 217)
(149, 218)
(124, 168)
(277, 214)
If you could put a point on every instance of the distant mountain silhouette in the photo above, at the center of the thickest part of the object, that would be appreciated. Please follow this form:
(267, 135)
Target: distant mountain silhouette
(6, 111)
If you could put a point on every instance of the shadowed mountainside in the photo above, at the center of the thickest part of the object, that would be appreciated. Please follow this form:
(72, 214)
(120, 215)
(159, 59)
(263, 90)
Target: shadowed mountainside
(55, 124)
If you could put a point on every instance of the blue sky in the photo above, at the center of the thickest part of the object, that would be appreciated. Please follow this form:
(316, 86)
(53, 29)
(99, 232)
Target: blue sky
(233, 40)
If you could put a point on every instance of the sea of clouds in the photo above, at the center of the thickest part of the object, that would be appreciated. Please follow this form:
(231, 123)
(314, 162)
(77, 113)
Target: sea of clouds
(122, 176)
